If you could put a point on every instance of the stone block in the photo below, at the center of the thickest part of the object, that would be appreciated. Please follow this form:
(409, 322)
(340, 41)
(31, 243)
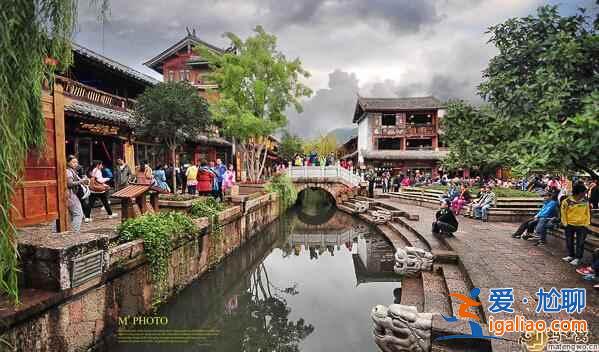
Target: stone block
(47, 258)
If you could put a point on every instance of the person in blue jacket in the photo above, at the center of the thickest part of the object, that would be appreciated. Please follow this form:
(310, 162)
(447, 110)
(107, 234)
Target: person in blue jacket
(220, 169)
(547, 213)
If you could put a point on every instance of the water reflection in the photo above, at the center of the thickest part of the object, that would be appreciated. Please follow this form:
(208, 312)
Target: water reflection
(295, 287)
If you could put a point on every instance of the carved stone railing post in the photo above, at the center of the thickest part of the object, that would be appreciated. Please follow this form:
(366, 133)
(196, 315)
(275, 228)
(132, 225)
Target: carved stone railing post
(412, 260)
(402, 328)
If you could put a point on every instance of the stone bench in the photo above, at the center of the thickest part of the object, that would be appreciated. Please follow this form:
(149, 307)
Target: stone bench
(419, 196)
(510, 209)
(591, 243)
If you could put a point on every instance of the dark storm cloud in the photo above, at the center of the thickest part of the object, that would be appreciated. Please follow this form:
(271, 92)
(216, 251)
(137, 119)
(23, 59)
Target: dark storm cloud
(328, 108)
(401, 15)
(333, 107)
(393, 47)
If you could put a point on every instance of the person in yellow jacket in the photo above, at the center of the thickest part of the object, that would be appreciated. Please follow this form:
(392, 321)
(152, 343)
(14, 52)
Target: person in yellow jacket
(575, 216)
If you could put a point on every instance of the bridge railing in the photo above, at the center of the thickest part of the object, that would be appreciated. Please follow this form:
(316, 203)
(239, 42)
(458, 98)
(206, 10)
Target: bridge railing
(335, 171)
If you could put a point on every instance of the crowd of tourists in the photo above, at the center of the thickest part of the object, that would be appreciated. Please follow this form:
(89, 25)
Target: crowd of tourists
(88, 185)
(313, 159)
(570, 210)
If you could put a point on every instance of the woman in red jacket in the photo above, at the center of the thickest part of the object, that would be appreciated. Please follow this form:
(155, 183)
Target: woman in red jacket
(205, 180)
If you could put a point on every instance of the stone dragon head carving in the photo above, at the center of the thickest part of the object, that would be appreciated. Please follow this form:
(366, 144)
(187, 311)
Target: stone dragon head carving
(400, 328)
(411, 260)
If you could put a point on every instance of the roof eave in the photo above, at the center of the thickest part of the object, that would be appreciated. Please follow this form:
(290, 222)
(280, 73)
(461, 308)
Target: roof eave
(157, 60)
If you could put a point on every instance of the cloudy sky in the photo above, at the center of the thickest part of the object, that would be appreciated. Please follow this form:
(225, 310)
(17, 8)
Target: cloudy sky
(381, 48)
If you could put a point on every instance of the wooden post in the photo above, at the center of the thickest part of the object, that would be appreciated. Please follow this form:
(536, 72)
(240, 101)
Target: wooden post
(126, 209)
(154, 198)
(61, 159)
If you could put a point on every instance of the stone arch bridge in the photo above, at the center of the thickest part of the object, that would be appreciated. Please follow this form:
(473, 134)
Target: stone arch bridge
(340, 183)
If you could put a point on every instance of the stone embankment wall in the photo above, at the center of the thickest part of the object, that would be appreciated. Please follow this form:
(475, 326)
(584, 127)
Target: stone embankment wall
(82, 317)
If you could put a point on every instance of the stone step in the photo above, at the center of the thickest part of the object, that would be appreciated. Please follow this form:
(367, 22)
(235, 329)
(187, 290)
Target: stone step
(396, 239)
(457, 282)
(412, 292)
(410, 237)
(436, 297)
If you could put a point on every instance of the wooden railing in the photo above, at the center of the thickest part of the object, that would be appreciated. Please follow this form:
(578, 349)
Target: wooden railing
(83, 92)
(420, 130)
(327, 172)
(420, 148)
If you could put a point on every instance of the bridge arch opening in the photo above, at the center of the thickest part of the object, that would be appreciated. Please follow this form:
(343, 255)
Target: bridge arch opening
(315, 205)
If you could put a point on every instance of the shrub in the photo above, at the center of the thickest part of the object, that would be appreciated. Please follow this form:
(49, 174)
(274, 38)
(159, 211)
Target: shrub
(283, 186)
(157, 231)
(206, 207)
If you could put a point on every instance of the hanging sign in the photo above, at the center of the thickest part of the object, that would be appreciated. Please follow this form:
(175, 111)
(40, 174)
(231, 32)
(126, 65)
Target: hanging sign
(97, 128)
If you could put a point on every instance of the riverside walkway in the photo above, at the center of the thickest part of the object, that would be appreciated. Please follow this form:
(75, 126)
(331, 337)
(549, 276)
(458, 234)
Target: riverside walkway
(495, 260)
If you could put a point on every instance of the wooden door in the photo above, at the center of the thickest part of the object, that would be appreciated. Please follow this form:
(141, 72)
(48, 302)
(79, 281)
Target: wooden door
(41, 195)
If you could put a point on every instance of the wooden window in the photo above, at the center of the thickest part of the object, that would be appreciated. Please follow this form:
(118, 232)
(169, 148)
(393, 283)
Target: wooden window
(389, 144)
(171, 76)
(388, 120)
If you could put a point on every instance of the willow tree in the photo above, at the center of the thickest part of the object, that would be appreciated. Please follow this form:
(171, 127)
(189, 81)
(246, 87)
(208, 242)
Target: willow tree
(34, 43)
(257, 84)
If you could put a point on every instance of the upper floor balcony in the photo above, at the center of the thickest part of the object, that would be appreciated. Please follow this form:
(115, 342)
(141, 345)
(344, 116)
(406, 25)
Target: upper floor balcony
(427, 129)
(80, 91)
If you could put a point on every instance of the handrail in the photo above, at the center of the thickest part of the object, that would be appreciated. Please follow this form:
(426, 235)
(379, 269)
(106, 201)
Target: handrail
(327, 172)
(84, 92)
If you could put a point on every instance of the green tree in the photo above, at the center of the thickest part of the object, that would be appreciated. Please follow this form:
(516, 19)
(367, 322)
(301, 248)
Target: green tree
(290, 145)
(174, 112)
(323, 145)
(256, 83)
(540, 81)
(477, 139)
(539, 87)
(34, 43)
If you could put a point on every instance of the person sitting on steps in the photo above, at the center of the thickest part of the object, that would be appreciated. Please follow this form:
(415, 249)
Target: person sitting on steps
(445, 222)
(487, 200)
(538, 224)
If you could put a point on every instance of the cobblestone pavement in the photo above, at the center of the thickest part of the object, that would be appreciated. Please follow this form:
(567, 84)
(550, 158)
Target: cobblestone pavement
(99, 224)
(493, 260)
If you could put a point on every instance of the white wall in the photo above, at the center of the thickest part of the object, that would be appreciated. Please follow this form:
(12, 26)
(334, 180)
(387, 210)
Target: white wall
(364, 136)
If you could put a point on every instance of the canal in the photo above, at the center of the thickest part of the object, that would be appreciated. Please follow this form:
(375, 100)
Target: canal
(306, 283)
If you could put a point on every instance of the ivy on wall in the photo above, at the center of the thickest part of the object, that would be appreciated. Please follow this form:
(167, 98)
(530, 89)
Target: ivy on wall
(158, 232)
(210, 208)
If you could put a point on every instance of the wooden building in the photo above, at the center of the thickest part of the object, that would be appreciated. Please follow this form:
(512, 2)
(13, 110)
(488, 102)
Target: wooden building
(400, 134)
(88, 114)
(180, 63)
(99, 99)
(348, 150)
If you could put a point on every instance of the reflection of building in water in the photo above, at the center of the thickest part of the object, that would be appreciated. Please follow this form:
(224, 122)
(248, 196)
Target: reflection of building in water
(373, 259)
(321, 240)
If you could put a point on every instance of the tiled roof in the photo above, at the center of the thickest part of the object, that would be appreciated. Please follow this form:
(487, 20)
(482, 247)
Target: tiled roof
(382, 104)
(100, 113)
(114, 65)
(399, 103)
(405, 154)
(213, 141)
(155, 63)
